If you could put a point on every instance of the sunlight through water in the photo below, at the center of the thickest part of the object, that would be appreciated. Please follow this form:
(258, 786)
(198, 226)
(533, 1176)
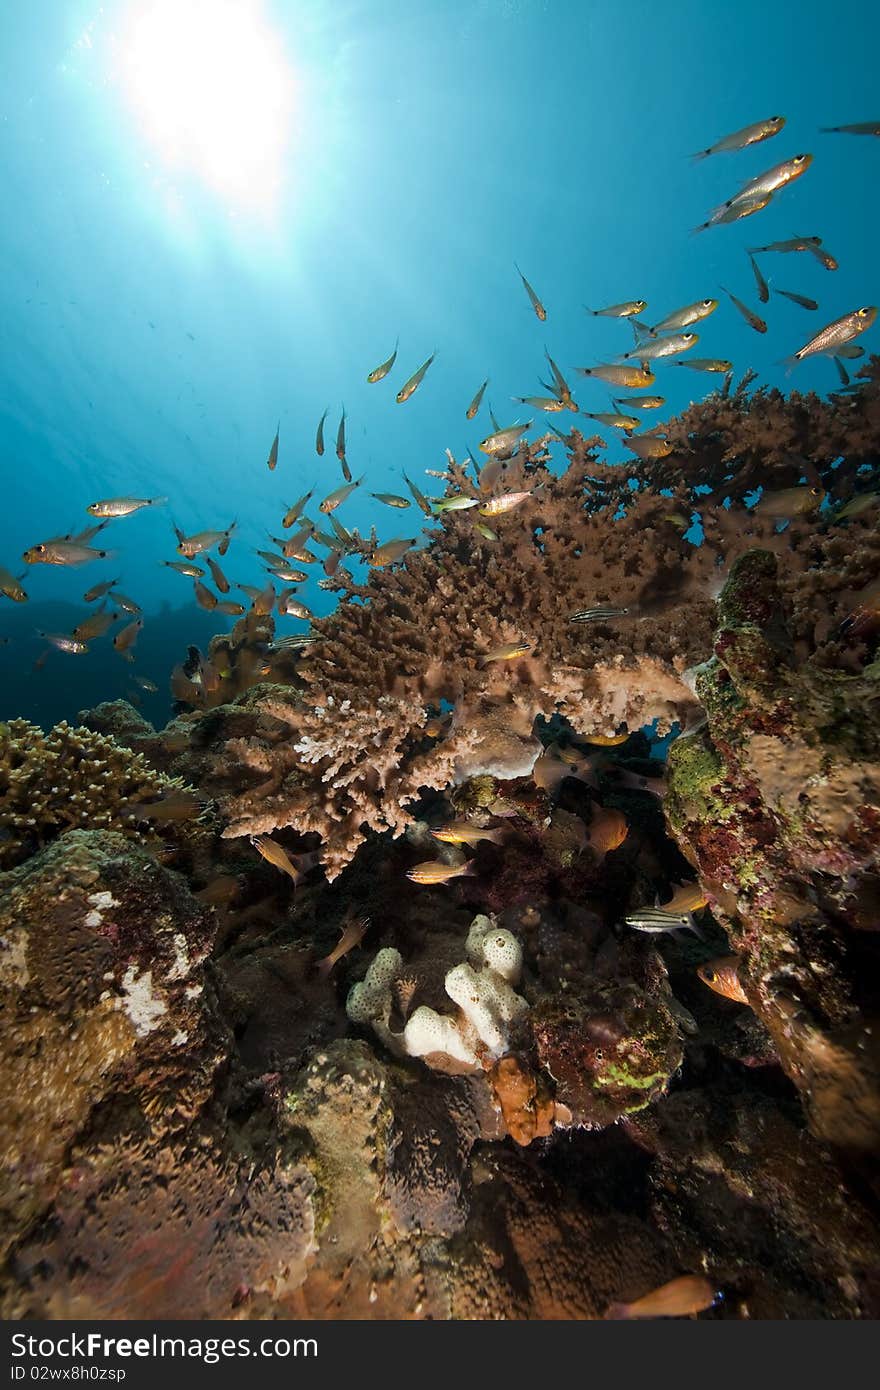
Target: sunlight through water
(210, 86)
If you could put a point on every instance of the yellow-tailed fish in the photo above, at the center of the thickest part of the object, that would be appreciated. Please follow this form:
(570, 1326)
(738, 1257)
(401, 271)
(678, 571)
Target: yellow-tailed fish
(460, 502)
(641, 402)
(763, 287)
(72, 646)
(790, 501)
(620, 311)
(485, 531)
(833, 335)
(505, 502)
(648, 446)
(62, 553)
(380, 372)
(736, 210)
(389, 552)
(664, 347)
(219, 578)
(511, 651)
(335, 499)
(504, 439)
(10, 587)
(858, 128)
(619, 374)
(680, 1298)
(415, 381)
(293, 514)
(462, 832)
(418, 497)
(535, 301)
(123, 506)
(740, 139)
(433, 872)
(706, 364)
(752, 319)
(319, 437)
(803, 300)
(391, 499)
(477, 401)
(276, 855)
(722, 976)
(126, 638)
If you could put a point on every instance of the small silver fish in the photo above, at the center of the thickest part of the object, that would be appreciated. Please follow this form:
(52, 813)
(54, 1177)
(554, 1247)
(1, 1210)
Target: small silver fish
(833, 335)
(801, 299)
(741, 139)
(380, 372)
(476, 402)
(763, 287)
(414, 381)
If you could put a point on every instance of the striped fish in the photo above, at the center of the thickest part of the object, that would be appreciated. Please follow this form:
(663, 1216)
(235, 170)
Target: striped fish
(654, 919)
(600, 614)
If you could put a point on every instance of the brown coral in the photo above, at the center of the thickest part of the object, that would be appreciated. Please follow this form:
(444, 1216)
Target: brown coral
(67, 778)
(351, 752)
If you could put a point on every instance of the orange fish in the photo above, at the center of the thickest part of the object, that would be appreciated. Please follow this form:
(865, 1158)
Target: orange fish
(688, 897)
(722, 976)
(607, 831)
(680, 1298)
(352, 935)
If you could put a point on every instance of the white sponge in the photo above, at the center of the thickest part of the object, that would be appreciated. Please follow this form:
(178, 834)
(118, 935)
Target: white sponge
(427, 1032)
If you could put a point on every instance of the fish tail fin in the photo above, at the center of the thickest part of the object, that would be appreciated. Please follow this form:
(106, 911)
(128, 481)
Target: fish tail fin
(157, 501)
(704, 226)
(616, 1312)
(587, 310)
(324, 966)
(701, 154)
(467, 870)
(692, 926)
(498, 835)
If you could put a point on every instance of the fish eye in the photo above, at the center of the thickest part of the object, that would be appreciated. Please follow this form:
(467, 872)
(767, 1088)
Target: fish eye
(863, 313)
(599, 1055)
(709, 976)
(707, 302)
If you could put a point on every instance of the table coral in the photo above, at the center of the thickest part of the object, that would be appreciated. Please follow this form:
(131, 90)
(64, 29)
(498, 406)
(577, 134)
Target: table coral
(348, 751)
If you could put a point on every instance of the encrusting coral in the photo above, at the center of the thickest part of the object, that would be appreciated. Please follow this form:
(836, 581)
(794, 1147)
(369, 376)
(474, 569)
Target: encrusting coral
(68, 778)
(355, 748)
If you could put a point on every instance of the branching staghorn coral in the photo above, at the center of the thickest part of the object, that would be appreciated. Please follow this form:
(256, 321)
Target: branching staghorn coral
(66, 779)
(354, 749)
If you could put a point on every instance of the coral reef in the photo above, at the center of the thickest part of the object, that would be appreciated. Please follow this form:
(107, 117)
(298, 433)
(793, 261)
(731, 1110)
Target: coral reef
(777, 804)
(69, 777)
(351, 752)
(496, 1100)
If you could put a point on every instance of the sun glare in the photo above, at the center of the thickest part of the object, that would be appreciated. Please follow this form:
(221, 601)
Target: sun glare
(210, 85)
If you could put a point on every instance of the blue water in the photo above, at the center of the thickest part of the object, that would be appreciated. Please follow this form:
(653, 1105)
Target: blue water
(160, 313)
